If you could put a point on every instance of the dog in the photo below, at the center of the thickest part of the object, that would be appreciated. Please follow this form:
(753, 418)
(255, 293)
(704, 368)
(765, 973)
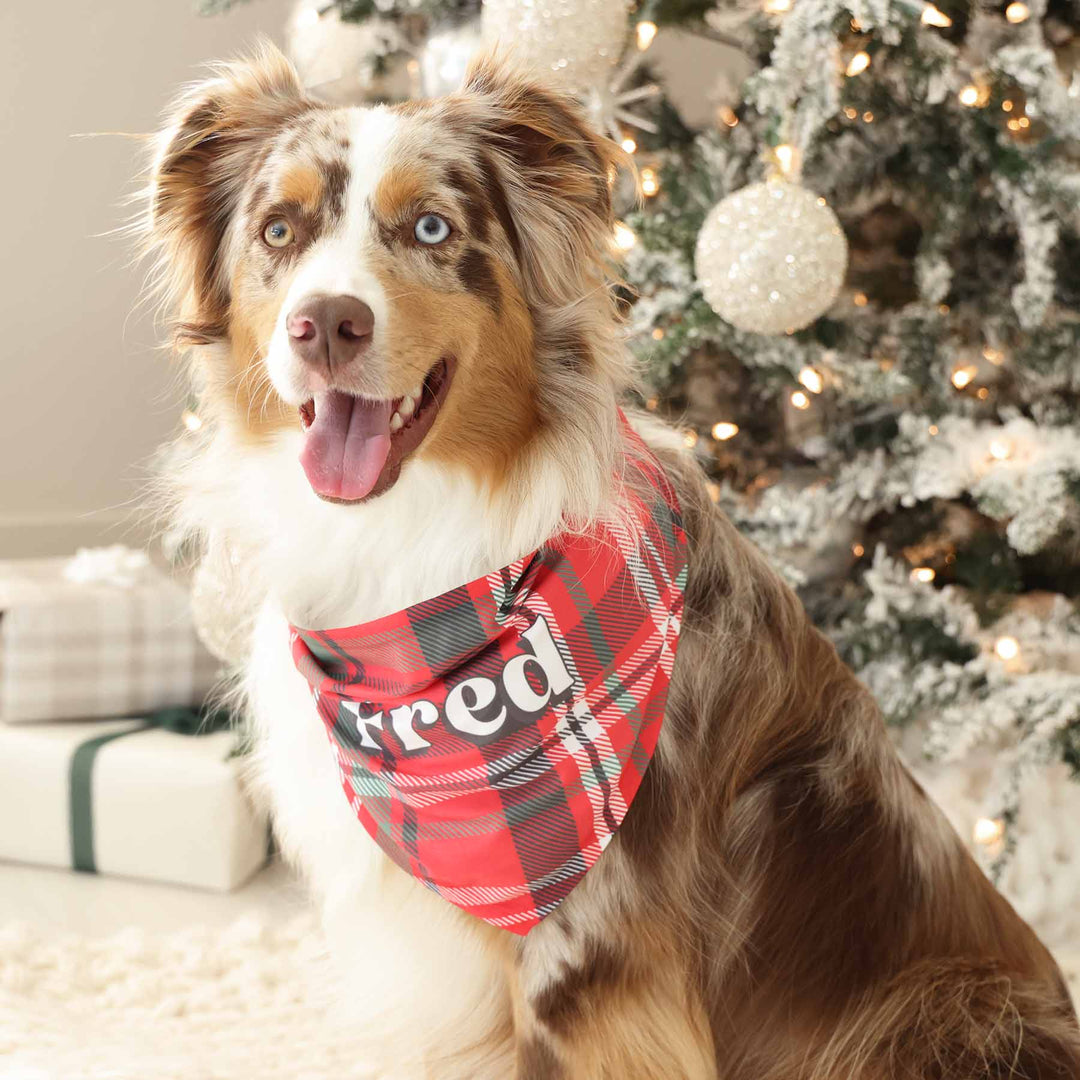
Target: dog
(782, 901)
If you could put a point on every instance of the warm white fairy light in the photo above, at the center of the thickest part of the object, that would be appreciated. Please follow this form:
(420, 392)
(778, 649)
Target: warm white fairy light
(857, 64)
(306, 18)
(969, 96)
(860, 299)
(812, 380)
(727, 117)
(650, 182)
(625, 238)
(858, 550)
(776, 7)
(192, 421)
(628, 145)
(1017, 12)
(932, 16)
(923, 574)
(786, 157)
(995, 356)
(646, 32)
(988, 831)
(724, 430)
(961, 377)
(690, 438)
(1007, 648)
(800, 400)
(1000, 449)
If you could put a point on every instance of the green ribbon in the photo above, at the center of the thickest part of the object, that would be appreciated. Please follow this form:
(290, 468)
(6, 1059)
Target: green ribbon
(179, 720)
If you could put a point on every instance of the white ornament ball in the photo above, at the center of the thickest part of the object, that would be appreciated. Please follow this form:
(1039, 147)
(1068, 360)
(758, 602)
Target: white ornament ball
(336, 59)
(771, 257)
(574, 44)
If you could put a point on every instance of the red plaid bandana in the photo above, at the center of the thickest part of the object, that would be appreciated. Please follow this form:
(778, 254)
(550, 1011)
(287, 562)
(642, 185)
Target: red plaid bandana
(492, 738)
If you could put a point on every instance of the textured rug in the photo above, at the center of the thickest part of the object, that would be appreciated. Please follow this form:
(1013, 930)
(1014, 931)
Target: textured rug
(247, 1001)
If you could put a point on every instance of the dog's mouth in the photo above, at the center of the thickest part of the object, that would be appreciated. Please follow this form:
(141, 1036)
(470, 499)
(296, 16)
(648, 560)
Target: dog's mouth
(354, 446)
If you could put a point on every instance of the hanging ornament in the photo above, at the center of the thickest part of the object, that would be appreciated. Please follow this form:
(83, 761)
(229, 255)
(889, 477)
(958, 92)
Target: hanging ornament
(580, 46)
(222, 609)
(347, 62)
(574, 43)
(771, 257)
(445, 57)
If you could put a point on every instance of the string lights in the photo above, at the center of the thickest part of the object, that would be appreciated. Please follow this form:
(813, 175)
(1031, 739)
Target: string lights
(625, 237)
(650, 183)
(1017, 12)
(192, 421)
(646, 32)
(628, 145)
(962, 376)
(1000, 449)
(800, 400)
(932, 16)
(988, 831)
(1007, 648)
(923, 574)
(857, 64)
(724, 430)
(812, 380)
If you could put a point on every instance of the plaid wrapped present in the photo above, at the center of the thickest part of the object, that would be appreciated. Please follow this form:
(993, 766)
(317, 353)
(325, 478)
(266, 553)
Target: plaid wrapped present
(129, 797)
(105, 634)
(492, 739)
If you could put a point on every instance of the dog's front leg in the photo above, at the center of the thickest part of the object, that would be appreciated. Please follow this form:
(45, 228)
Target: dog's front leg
(591, 1006)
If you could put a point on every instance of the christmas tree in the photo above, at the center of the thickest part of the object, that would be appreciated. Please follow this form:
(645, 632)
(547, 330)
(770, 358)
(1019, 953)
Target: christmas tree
(856, 286)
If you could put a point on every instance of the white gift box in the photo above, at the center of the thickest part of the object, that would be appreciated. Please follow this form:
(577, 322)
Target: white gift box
(148, 803)
(103, 635)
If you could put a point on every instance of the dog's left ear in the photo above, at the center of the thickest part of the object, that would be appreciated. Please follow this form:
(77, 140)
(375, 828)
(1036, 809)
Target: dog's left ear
(206, 152)
(555, 170)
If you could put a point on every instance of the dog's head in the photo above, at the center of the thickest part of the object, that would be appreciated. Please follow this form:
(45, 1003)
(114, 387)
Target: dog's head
(426, 280)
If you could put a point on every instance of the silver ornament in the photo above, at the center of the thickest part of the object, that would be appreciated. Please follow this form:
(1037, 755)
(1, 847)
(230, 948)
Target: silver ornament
(574, 44)
(771, 257)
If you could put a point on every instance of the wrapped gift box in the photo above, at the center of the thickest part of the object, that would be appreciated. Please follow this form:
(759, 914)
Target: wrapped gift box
(105, 634)
(121, 797)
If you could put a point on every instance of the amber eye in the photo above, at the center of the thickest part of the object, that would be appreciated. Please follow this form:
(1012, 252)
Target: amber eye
(279, 233)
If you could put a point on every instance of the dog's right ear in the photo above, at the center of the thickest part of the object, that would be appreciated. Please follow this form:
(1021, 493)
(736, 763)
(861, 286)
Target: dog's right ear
(214, 140)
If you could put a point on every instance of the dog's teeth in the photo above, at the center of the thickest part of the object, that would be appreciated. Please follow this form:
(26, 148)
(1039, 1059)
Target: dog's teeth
(406, 407)
(416, 391)
(396, 423)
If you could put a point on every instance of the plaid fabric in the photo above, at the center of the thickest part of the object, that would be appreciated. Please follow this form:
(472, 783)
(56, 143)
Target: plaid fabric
(492, 738)
(73, 650)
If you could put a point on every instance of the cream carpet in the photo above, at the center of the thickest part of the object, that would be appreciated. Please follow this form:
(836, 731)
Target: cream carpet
(248, 1001)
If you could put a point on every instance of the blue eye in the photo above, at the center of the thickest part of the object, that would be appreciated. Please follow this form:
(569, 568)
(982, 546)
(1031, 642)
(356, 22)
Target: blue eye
(431, 229)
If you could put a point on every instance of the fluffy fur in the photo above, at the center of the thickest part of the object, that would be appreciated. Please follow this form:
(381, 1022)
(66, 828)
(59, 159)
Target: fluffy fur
(782, 900)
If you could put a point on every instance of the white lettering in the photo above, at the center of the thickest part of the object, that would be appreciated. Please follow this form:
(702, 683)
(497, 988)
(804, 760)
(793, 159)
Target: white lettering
(404, 719)
(363, 723)
(462, 715)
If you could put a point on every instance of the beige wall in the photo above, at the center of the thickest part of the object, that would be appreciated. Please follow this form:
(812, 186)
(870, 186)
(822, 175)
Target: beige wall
(85, 395)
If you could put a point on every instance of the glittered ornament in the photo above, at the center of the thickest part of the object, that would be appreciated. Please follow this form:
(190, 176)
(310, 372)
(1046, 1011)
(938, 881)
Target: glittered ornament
(573, 43)
(771, 257)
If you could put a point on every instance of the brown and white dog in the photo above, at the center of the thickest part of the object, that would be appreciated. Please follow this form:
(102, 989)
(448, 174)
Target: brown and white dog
(782, 902)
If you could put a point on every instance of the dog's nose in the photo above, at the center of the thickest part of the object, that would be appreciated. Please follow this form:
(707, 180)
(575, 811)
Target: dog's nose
(329, 332)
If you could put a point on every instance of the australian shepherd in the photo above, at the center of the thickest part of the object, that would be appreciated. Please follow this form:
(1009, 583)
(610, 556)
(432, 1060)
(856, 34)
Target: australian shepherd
(405, 343)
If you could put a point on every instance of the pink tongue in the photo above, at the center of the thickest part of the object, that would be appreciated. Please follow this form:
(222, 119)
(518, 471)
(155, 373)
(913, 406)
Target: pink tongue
(347, 445)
